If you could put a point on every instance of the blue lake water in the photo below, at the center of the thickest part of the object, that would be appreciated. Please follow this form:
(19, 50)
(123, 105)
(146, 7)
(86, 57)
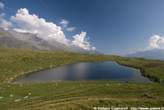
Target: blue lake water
(87, 71)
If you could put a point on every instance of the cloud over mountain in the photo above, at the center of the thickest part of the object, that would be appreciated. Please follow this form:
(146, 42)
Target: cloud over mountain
(33, 24)
(154, 51)
(25, 22)
(80, 40)
(156, 41)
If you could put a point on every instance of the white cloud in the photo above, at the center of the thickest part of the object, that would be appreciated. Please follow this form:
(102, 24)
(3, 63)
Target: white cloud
(5, 24)
(25, 22)
(2, 5)
(64, 23)
(23, 31)
(70, 29)
(156, 41)
(33, 24)
(81, 41)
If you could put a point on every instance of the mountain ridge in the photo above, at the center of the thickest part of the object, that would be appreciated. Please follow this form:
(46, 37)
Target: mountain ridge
(14, 39)
(157, 54)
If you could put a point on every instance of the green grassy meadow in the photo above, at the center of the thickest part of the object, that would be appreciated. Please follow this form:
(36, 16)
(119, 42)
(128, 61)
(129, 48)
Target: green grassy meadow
(73, 95)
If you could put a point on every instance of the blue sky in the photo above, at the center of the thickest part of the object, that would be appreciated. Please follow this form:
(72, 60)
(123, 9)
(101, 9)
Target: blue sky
(113, 26)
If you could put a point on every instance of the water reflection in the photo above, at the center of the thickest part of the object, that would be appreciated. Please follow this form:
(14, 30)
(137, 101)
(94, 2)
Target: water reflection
(88, 71)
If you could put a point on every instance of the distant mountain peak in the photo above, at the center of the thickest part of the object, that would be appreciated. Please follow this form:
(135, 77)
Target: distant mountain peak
(149, 54)
(16, 39)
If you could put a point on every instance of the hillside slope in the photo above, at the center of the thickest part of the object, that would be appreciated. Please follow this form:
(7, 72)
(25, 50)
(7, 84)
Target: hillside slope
(14, 39)
(74, 95)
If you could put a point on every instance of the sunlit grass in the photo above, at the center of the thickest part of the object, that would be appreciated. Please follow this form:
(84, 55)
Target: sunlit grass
(74, 94)
(80, 93)
(16, 62)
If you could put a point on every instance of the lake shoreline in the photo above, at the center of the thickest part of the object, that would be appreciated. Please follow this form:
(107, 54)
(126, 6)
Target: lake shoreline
(153, 79)
(33, 61)
(16, 62)
(69, 64)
